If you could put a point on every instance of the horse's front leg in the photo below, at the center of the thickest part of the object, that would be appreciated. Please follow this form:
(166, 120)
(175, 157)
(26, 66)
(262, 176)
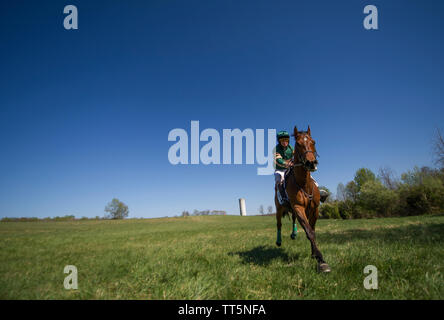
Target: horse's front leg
(316, 253)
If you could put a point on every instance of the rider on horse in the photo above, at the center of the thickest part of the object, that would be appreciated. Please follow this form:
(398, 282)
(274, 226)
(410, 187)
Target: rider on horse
(283, 159)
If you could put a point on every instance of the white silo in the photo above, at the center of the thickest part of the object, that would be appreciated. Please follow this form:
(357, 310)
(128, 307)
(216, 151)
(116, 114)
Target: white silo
(243, 210)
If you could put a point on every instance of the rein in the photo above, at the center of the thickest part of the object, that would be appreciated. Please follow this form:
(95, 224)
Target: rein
(299, 164)
(301, 159)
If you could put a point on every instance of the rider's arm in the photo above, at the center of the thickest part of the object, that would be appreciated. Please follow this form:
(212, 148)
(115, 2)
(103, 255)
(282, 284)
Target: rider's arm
(279, 159)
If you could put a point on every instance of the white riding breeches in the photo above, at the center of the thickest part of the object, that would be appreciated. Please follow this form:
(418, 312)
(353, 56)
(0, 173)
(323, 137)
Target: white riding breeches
(279, 177)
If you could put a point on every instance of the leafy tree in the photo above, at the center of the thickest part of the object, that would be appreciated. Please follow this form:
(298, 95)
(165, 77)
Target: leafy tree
(422, 191)
(419, 191)
(418, 175)
(362, 176)
(117, 209)
(346, 209)
(376, 199)
(329, 211)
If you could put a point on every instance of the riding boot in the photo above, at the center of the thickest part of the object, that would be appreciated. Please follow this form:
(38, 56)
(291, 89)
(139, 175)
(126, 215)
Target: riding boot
(324, 195)
(281, 193)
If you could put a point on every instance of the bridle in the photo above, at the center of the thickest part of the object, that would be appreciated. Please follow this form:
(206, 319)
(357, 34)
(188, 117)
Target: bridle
(303, 162)
(302, 159)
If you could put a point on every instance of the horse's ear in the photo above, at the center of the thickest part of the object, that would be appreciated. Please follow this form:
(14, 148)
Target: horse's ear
(308, 131)
(295, 132)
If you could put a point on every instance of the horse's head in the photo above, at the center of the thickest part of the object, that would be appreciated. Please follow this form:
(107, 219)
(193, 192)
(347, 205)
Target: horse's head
(305, 150)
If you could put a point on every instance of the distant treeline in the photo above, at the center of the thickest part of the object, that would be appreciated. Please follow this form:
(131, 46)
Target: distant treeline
(73, 218)
(416, 192)
(57, 218)
(204, 213)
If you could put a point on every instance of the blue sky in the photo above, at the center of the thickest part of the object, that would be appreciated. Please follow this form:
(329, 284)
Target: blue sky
(85, 114)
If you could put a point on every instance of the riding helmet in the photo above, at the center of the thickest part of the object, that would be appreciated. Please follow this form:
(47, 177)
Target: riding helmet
(283, 134)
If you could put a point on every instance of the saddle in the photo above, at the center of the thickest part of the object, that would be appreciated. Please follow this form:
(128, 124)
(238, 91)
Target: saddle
(283, 198)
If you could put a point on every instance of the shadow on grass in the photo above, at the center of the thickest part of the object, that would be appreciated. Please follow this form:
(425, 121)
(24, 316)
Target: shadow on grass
(420, 234)
(425, 233)
(263, 255)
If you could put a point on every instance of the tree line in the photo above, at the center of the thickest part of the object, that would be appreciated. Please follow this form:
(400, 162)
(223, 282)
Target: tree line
(204, 213)
(56, 218)
(417, 191)
(113, 210)
(262, 211)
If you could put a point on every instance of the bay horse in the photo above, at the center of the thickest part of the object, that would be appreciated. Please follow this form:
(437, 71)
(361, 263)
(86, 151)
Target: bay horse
(303, 194)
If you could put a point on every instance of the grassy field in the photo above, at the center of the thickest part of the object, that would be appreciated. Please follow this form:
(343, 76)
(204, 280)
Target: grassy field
(221, 257)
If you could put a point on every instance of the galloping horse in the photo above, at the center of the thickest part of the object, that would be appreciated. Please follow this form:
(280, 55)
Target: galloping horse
(303, 194)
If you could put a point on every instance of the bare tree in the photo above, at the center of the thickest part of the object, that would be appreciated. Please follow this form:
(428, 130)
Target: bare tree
(351, 191)
(438, 149)
(185, 213)
(388, 178)
(340, 192)
(270, 209)
(261, 209)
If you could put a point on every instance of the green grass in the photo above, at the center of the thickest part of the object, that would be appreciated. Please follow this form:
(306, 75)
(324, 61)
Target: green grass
(221, 257)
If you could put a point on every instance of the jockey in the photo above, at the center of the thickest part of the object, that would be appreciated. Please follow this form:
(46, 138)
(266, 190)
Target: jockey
(283, 156)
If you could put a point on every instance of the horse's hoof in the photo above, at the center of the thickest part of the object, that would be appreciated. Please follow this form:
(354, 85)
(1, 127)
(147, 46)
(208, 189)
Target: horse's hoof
(278, 244)
(323, 267)
(293, 236)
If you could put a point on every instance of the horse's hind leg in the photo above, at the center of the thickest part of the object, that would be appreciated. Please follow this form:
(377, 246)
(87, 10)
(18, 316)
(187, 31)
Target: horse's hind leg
(279, 213)
(294, 232)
